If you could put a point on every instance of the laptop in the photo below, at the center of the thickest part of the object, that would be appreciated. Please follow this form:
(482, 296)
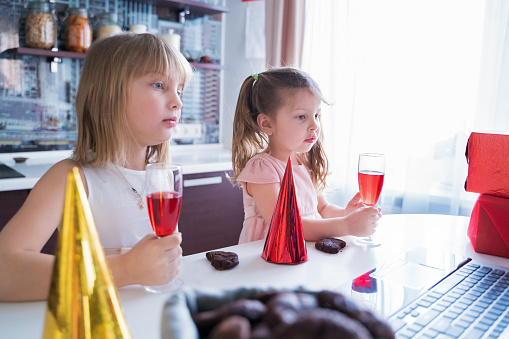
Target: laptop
(427, 293)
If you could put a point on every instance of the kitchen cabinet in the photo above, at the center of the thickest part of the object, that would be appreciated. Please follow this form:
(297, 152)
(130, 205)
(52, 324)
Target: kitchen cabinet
(212, 212)
(11, 202)
(211, 217)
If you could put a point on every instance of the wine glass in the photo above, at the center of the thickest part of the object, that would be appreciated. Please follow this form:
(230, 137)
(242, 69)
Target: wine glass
(163, 183)
(371, 179)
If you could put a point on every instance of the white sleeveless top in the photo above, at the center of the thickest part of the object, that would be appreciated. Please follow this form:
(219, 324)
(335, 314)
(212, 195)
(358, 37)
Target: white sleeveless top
(117, 215)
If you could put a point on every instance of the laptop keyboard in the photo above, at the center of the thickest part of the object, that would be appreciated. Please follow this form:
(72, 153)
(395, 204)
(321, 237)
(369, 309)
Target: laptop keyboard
(470, 303)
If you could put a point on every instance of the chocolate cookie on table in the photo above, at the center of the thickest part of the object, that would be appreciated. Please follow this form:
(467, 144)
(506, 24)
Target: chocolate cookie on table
(330, 245)
(222, 260)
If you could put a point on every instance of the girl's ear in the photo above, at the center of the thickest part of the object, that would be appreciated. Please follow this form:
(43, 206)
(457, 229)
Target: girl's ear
(264, 123)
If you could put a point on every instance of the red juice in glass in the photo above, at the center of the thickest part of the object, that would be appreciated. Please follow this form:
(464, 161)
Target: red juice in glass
(164, 212)
(370, 186)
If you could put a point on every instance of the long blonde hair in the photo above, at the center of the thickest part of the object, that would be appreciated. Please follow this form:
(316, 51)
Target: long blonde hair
(265, 93)
(111, 64)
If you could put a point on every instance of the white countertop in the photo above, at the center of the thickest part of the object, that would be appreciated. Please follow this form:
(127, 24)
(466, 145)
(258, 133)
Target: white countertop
(193, 159)
(398, 233)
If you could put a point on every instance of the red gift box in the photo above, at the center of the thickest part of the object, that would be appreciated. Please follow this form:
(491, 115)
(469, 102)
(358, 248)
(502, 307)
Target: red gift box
(489, 226)
(488, 164)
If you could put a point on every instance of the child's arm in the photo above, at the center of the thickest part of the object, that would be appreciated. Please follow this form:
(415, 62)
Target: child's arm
(26, 273)
(328, 210)
(360, 222)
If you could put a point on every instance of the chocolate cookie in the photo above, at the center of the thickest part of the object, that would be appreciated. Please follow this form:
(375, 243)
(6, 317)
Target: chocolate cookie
(252, 310)
(223, 260)
(323, 324)
(330, 245)
(233, 327)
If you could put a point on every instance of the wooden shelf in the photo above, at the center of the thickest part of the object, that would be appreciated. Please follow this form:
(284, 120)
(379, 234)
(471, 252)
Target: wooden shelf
(195, 7)
(66, 54)
(44, 52)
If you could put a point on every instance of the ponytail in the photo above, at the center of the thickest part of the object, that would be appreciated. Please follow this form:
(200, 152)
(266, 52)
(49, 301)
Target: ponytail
(247, 138)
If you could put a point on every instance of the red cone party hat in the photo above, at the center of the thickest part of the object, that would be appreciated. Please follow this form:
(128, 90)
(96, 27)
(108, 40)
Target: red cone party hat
(285, 242)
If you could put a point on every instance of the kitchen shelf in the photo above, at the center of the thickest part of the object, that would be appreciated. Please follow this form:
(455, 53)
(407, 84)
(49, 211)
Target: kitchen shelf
(195, 7)
(76, 55)
(44, 52)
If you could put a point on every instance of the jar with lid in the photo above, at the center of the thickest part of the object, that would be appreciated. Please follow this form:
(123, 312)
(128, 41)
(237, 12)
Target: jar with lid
(39, 25)
(79, 31)
(108, 25)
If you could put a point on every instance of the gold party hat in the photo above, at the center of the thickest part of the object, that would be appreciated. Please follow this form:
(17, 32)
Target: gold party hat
(83, 301)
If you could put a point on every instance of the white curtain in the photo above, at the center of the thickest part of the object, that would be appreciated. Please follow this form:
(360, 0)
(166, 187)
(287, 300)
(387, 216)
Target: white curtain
(403, 78)
(284, 30)
(493, 99)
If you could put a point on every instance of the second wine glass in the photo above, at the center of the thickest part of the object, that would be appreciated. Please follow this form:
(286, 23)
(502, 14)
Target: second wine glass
(371, 173)
(163, 183)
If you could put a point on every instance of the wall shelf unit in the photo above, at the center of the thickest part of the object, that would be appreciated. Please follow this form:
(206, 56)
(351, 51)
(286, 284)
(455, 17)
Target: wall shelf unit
(40, 96)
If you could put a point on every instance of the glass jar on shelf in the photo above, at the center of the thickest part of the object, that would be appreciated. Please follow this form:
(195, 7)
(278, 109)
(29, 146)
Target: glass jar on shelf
(138, 28)
(39, 25)
(108, 25)
(79, 31)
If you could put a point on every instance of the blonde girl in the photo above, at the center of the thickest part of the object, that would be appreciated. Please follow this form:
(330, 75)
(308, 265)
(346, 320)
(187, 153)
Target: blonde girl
(128, 103)
(278, 117)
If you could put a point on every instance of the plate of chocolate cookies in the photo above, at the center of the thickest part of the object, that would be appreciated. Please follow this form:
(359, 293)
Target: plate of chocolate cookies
(247, 313)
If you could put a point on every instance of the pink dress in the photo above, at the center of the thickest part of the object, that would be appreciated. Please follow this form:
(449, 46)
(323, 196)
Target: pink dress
(265, 169)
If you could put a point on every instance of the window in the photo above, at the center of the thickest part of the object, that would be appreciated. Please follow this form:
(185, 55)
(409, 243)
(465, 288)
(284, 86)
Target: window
(403, 77)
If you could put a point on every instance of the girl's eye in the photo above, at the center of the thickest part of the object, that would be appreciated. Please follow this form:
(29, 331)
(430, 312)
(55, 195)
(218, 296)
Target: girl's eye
(180, 93)
(158, 85)
(301, 117)
(317, 116)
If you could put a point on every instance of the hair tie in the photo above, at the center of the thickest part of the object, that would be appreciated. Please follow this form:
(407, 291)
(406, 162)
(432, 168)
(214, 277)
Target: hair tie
(255, 76)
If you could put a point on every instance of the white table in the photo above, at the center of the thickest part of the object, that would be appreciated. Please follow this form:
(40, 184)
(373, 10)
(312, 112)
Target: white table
(398, 234)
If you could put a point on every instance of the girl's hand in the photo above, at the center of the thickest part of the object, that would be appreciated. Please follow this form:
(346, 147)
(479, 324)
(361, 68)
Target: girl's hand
(354, 204)
(153, 260)
(363, 222)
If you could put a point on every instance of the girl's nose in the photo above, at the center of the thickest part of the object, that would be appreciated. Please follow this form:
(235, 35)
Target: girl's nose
(175, 102)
